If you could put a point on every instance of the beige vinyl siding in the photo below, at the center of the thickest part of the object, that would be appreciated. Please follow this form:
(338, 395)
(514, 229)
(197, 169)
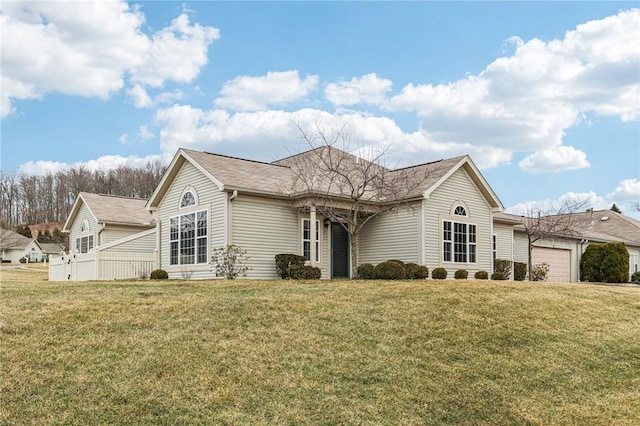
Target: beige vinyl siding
(264, 228)
(110, 234)
(139, 244)
(458, 187)
(392, 235)
(210, 198)
(520, 247)
(504, 240)
(83, 213)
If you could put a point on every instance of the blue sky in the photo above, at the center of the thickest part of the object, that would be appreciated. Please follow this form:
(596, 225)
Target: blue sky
(544, 97)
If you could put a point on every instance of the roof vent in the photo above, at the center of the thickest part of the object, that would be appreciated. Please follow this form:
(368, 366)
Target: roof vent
(604, 218)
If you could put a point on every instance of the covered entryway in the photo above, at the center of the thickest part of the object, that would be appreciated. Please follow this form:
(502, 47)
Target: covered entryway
(559, 261)
(339, 251)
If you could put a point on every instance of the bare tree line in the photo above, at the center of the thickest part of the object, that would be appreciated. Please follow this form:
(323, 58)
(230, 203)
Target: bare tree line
(29, 199)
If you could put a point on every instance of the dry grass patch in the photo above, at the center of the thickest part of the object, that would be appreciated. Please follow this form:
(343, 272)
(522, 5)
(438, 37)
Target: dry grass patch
(342, 352)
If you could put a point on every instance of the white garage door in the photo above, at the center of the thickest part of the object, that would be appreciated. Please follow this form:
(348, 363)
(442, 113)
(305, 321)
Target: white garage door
(559, 262)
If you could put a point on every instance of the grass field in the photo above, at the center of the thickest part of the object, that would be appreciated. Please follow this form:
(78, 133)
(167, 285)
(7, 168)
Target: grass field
(317, 352)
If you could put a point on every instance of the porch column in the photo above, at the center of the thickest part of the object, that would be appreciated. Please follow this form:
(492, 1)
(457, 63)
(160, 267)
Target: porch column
(312, 230)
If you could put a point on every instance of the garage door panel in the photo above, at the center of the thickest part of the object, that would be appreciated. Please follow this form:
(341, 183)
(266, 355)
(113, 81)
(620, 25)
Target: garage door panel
(559, 261)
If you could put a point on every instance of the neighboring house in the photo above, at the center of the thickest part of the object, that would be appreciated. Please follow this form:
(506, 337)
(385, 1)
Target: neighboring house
(52, 249)
(205, 201)
(14, 247)
(110, 237)
(563, 254)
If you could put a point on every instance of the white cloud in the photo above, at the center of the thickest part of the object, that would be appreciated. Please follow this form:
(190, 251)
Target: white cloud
(368, 89)
(625, 196)
(106, 162)
(555, 160)
(527, 101)
(141, 98)
(90, 49)
(627, 190)
(263, 133)
(123, 139)
(144, 133)
(246, 93)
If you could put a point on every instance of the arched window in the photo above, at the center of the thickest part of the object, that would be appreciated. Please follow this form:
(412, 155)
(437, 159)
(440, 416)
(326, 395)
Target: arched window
(85, 226)
(188, 199)
(459, 236)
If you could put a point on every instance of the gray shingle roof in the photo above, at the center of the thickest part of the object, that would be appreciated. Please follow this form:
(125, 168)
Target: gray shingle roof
(278, 179)
(113, 209)
(12, 240)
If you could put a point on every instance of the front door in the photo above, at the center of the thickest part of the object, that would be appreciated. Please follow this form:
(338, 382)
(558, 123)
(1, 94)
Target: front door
(339, 251)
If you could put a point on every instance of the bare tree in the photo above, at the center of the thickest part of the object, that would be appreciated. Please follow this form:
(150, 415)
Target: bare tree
(564, 222)
(345, 188)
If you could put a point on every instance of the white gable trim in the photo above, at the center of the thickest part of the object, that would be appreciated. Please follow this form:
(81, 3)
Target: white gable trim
(476, 177)
(172, 171)
(74, 212)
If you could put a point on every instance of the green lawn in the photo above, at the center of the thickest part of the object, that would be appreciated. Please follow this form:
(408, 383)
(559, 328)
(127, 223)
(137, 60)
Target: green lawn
(317, 352)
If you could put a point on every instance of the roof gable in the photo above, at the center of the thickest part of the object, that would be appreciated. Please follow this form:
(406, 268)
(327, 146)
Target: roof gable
(12, 240)
(111, 209)
(440, 171)
(276, 179)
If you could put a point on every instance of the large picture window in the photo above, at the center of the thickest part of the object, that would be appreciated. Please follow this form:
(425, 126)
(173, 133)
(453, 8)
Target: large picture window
(459, 239)
(188, 239)
(306, 239)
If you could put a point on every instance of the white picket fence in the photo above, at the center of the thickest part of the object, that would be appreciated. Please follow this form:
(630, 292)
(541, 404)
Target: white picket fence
(101, 265)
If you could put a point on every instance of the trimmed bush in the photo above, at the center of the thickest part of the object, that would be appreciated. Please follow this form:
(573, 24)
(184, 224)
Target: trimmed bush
(635, 277)
(605, 263)
(503, 266)
(481, 275)
(305, 272)
(285, 261)
(439, 274)
(539, 272)
(519, 271)
(461, 274)
(615, 263)
(159, 274)
(389, 270)
(397, 261)
(590, 263)
(413, 271)
(498, 276)
(421, 273)
(366, 271)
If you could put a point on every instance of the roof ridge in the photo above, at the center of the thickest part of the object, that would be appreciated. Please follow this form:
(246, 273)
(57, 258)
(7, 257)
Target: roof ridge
(235, 158)
(430, 162)
(100, 194)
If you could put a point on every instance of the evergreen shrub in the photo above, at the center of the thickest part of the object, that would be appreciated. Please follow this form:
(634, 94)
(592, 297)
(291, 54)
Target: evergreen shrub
(159, 274)
(439, 274)
(389, 270)
(285, 261)
(481, 275)
(461, 274)
(519, 271)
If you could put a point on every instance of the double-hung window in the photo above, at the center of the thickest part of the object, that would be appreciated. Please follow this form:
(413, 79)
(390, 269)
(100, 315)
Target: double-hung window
(84, 244)
(307, 240)
(459, 239)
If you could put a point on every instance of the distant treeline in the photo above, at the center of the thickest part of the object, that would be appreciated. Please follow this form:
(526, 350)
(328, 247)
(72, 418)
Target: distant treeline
(27, 199)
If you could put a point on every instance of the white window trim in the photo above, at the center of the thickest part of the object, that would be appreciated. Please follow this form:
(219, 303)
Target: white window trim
(303, 240)
(455, 220)
(193, 192)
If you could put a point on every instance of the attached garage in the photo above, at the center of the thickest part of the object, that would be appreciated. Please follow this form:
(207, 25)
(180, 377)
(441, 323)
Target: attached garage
(559, 261)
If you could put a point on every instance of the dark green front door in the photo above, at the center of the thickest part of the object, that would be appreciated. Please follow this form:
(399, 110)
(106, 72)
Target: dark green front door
(339, 251)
